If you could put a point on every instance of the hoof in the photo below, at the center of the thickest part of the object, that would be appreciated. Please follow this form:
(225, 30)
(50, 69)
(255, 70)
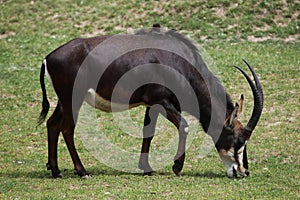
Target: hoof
(148, 171)
(82, 174)
(87, 176)
(151, 173)
(57, 175)
(55, 171)
(48, 166)
(177, 170)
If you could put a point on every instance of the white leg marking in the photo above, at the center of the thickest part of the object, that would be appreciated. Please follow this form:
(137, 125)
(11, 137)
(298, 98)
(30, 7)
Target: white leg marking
(186, 129)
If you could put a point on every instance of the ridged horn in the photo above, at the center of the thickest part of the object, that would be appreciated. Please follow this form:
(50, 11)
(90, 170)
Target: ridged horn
(258, 97)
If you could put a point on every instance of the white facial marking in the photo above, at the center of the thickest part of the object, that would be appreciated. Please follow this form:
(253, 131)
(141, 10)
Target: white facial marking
(240, 155)
(230, 172)
(99, 102)
(228, 159)
(47, 73)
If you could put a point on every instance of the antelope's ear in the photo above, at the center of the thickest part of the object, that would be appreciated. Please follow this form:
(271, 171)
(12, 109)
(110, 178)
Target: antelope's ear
(232, 117)
(241, 101)
(235, 113)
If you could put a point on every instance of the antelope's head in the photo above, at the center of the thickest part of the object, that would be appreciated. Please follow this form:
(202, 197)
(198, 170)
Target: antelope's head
(232, 143)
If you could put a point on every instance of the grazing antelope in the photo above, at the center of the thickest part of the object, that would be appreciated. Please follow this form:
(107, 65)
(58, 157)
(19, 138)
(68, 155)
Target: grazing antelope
(164, 55)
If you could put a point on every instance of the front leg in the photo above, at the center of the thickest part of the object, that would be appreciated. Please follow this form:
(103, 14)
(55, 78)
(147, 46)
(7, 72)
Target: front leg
(180, 155)
(175, 117)
(148, 133)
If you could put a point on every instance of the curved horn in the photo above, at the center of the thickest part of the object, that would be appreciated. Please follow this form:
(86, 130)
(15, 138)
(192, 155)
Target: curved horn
(258, 98)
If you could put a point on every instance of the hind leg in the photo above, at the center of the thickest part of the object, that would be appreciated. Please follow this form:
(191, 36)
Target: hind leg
(68, 134)
(68, 125)
(53, 129)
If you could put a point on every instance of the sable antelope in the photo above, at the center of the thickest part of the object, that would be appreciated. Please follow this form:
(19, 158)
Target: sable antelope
(63, 67)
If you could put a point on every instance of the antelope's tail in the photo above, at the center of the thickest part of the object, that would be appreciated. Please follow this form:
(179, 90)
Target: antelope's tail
(45, 102)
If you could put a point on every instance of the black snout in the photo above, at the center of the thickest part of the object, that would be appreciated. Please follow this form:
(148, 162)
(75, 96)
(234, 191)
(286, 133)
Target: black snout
(247, 172)
(234, 173)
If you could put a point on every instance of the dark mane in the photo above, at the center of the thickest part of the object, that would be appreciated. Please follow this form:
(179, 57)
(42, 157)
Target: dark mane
(214, 84)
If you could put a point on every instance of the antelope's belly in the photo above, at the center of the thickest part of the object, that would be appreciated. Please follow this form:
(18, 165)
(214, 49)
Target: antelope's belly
(97, 101)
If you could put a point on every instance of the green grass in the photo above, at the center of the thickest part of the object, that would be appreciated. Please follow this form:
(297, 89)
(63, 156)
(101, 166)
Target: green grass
(30, 30)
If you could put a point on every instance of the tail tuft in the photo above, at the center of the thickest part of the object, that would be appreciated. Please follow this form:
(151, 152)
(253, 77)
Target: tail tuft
(45, 102)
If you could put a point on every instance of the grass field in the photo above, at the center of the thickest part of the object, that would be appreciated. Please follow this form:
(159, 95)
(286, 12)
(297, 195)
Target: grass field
(266, 33)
